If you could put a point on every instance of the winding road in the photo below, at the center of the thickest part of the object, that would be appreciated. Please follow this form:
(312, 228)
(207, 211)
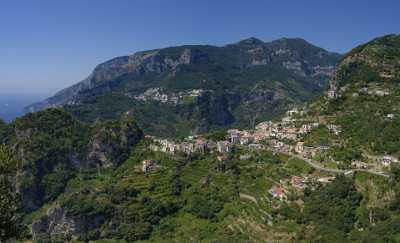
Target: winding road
(316, 165)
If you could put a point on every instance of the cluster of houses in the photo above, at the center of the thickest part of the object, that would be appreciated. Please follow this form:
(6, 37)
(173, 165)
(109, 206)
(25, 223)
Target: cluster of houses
(332, 92)
(157, 94)
(292, 127)
(190, 145)
(187, 147)
(384, 161)
(200, 144)
(287, 128)
(375, 91)
(274, 132)
(281, 190)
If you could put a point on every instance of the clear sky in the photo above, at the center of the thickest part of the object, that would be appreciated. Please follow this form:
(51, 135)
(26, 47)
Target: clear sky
(46, 45)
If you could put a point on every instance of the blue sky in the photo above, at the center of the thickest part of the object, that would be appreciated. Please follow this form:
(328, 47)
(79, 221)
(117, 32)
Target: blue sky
(46, 45)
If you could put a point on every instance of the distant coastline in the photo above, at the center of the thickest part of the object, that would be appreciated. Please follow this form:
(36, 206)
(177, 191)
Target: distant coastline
(11, 106)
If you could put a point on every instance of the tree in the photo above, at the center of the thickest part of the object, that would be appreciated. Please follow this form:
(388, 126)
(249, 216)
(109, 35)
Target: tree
(334, 206)
(9, 227)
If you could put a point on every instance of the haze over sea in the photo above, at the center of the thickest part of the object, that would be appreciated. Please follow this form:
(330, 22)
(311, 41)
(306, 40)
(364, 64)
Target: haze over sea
(11, 106)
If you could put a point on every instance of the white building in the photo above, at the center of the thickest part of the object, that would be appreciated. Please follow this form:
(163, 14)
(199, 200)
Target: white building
(224, 147)
(299, 147)
(246, 139)
(390, 116)
(332, 94)
(235, 138)
(387, 160)
(292, 112)
(336, 129)
(147, 165)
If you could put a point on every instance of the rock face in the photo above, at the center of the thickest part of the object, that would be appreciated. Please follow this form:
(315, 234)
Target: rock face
(112, 142)
(55, 223)
(103, 76)
(293, 66)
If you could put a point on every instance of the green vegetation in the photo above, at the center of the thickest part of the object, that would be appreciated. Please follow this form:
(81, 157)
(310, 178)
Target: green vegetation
(333, 206)
(54, 146)
(50, 139)
(364, 208)
(365, 122)
(182, 198)
(319, 137)
(9, 199)
(369, 61)
(367, 107)
(217, 135)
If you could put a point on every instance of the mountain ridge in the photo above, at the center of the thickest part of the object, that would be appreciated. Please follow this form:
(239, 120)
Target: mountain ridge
(275, 74)
(85, 83)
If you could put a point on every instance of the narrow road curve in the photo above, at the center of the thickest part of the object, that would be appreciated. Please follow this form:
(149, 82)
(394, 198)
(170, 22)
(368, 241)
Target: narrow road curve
(315, 165)
(248, 197)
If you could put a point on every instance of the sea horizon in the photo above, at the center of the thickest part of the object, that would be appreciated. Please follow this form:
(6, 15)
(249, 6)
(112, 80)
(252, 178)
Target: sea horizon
(12, 105)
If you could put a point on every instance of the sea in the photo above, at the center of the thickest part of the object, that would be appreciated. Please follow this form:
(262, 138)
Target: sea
(12, 106)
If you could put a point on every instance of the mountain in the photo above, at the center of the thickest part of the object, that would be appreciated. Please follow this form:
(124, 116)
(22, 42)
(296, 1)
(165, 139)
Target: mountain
(193, 89)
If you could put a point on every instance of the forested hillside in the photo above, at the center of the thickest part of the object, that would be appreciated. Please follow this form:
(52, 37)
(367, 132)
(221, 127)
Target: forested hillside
(53, 146)
(365, 98)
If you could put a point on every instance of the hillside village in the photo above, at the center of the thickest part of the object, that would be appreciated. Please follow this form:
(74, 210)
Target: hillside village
(159, 95)
(288, 136)
(285, 136)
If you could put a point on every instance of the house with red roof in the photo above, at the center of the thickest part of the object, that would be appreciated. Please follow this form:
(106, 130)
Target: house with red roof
(278, 192)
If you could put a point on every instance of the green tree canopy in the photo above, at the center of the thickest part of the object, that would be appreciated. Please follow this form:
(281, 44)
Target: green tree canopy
(9, 227)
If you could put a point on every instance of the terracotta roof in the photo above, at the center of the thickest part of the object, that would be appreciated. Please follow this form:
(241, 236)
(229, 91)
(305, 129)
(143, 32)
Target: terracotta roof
(278, 190)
